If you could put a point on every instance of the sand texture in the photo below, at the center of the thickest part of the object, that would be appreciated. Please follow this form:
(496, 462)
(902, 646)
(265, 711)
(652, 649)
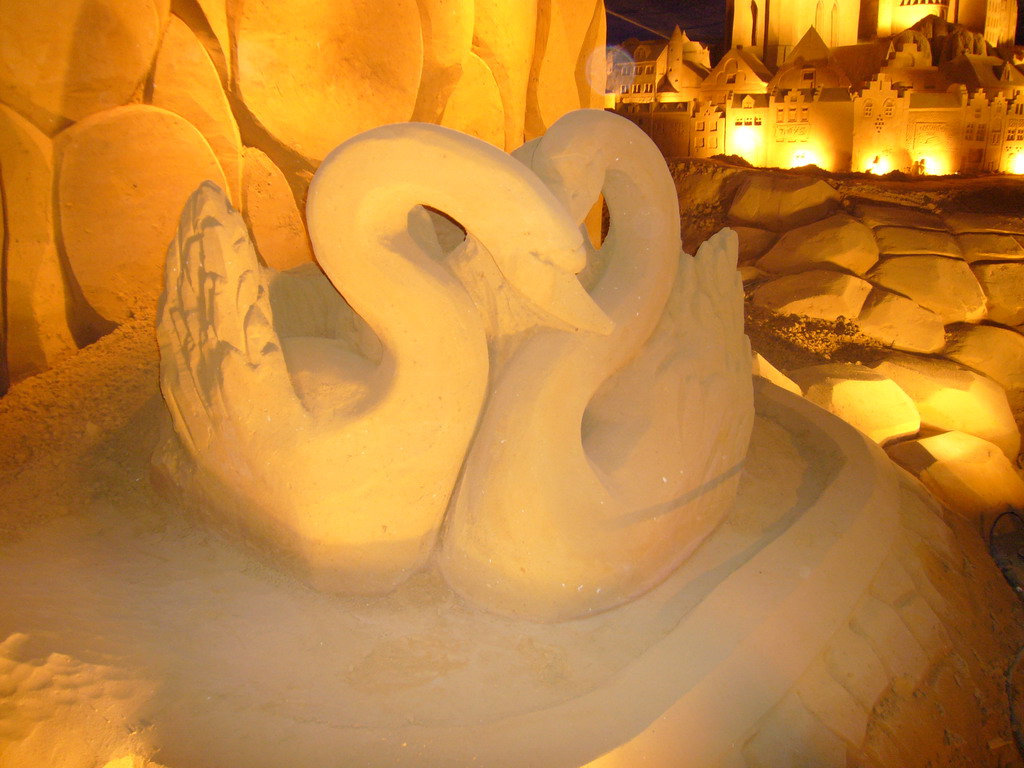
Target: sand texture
(827, 616)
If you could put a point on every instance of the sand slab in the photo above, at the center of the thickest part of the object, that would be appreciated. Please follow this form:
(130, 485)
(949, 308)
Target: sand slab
(220, 660)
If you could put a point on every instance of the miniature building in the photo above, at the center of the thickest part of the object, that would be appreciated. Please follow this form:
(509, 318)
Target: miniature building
(929, 88)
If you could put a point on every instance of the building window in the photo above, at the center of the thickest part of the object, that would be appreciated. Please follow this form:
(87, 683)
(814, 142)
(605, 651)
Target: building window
(889, 108)
(780, 116)
(803, 114)
(969, 132)
(869, 107)
(757, 121)
(808, 75)
(649, 69)
(995, 137)
(730, 79)
(649, 88)
(624, 89)
(879, 124)
(792, 115)
(700, 142)
(700, 126)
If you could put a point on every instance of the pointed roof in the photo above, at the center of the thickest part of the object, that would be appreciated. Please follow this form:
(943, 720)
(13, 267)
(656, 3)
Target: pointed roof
(749, 57)
(751, 100)
(654, 48)
(981, 72)
(691, 76)
(861, 62)
(811, 48)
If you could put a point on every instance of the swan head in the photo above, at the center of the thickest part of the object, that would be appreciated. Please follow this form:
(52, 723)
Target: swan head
(376, 178)
(548, 279)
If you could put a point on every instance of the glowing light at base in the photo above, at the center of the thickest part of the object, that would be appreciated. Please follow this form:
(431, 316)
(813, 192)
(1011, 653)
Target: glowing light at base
(745, 141)
(934, 165)
(1016, 164)
(880, 165)
(805, 157)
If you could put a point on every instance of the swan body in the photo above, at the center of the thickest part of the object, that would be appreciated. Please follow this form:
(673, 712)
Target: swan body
(330, 431)
(602, 461)
(567, 447)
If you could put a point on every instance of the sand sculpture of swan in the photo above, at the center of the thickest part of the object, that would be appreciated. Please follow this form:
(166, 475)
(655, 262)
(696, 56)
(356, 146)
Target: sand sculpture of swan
(601, 462)
(331, 446)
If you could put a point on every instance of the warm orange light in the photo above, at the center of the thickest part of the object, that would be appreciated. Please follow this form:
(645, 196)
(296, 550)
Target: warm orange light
(805, 157)
(934, 165)
(1017, 163)
(880, 165)
(745, 141)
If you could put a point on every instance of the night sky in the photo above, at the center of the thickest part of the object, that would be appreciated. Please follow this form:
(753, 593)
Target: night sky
(702, 20)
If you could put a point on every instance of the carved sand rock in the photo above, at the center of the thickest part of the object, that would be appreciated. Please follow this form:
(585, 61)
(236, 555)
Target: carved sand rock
(990, 246)
(996, 352)
(859, 396)
(902, 241)
(474, 105)
(951, 397)
(36, 311)
(78, 58)
(837, 242)
(820, 293)
(945, 286)
(779, 203)
(314, 54)
(186, 83)
(969, 474)
(1003, 284)
(274, 78)
(876, 215)
(118, 170)
(898, 322)
(274, 221)
(754, 242)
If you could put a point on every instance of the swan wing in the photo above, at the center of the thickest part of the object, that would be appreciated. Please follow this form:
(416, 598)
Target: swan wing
(663, 426)
(221, 360)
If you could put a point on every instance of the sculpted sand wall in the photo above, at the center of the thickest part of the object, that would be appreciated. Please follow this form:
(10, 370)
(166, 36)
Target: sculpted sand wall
(113, 111)
(936, 299)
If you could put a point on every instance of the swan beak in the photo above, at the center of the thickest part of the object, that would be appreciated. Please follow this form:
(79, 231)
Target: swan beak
(548, 279)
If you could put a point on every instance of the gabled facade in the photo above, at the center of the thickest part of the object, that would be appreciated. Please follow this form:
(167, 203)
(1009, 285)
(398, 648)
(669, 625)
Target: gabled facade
(934, 98)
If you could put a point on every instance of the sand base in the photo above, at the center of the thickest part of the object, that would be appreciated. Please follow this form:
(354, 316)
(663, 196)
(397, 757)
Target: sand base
(127, 630)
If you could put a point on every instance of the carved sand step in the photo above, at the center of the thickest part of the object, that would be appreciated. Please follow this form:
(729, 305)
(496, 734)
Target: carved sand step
(951, 397)
(837, 242)
(943, 285)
